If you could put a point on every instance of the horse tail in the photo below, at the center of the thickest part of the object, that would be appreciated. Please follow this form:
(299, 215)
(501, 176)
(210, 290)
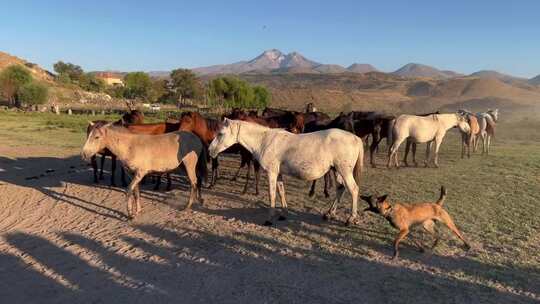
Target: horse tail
(201, 167)
(390, 133)
(442, 197)
(359, 166)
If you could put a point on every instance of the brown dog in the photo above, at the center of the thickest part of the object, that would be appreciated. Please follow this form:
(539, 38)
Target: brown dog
(403, 217)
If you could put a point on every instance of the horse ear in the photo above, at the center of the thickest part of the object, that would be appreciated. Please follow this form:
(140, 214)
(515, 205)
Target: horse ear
(91, 123)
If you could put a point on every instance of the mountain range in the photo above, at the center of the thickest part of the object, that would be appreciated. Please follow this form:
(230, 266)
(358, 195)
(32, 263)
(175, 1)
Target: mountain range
(274, 61)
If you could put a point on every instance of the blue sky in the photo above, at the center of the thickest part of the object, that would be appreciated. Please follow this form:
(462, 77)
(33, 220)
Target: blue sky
(464, 36)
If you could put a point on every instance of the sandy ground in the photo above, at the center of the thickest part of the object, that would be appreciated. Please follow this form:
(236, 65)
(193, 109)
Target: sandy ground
(64, 239)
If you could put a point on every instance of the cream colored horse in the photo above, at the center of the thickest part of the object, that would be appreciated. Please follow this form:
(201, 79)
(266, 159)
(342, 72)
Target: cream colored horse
(144, 154)
(306, 156)
(424, 129)
(487, 121)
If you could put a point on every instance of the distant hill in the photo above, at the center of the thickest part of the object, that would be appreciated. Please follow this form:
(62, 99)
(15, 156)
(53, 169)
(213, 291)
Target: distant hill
(274, 61)
(534, 80)
(497, 75)
(269, 60)
(421, 70)
(7, 60)
(361, 68)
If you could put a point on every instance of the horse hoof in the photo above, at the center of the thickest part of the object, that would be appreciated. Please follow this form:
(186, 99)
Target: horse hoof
(267, 223)
(311, 194)
(326, 195)
(327, 216)
(281, 218)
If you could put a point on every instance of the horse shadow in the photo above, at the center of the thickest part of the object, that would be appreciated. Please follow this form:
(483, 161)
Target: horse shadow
(52, 176)
(197, 265)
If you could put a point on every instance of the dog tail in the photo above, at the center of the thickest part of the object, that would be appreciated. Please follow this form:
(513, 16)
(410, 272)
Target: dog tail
(442, 197)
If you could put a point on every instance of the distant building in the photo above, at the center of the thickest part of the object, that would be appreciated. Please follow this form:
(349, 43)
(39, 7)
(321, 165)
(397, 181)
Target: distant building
(111, 78)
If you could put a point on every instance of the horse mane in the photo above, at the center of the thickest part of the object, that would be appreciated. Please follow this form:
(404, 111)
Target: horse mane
(213, 124)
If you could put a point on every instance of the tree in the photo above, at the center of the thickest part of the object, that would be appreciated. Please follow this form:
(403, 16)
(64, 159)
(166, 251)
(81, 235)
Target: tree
(186, 85)
(68, 71)
(33, 93)
(90, 82)
(138, 85)
(234, 92)
(262, 97)
(160, 88)
(11, 80)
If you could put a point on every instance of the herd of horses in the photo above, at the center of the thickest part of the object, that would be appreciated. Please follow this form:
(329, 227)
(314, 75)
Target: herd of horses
(307, 145)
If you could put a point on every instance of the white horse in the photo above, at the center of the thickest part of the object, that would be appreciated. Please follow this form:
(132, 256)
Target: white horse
(424, 129)
(486, 121)
(306, 156)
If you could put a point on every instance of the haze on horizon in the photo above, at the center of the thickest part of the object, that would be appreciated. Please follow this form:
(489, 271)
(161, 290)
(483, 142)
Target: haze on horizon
(462, 36)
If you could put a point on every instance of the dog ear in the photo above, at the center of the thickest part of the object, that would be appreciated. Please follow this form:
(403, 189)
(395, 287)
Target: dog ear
(381, 199)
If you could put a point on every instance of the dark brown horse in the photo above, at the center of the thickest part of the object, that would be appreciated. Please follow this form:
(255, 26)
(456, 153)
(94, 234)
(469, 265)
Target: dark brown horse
(206, 129)
(131, 117)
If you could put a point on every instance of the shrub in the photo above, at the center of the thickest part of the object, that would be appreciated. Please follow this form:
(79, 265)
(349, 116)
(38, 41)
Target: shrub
(33, 93)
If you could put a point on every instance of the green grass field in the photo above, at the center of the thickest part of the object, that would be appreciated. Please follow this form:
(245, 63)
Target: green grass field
(495, 200)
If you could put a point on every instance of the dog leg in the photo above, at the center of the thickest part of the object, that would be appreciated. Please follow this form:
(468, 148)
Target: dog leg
(447, 220)
(401, 235)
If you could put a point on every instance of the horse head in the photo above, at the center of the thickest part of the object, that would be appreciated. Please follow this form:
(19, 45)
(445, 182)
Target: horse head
(226, 137)
(95, 141)
(463, 124)
(494, 114)
(187, 121)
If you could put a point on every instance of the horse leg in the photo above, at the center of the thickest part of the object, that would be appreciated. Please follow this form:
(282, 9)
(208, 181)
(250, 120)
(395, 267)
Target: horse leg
(438, 142)
(123, 175)
(95, 168)
(190, 163)
(331, 213)
(312, 190)
(372, 148)
(484, 136)
(281, 191)
(215, 165)
(257, 170)
(158, 182)
(353, 190)
(407, 149)
(327, 184)
(102, 166)
(428, 150)
(131, 188)
(169, 182)
(488, 143)
(272, 182)
(113, 170)
(463, 143)
(242, 164)
(414, 145)
(248, 175)
(392, 154)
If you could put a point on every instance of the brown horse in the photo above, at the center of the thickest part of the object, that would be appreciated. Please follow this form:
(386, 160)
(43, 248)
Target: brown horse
(469, 139)
(206, 129)
(131, 117)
